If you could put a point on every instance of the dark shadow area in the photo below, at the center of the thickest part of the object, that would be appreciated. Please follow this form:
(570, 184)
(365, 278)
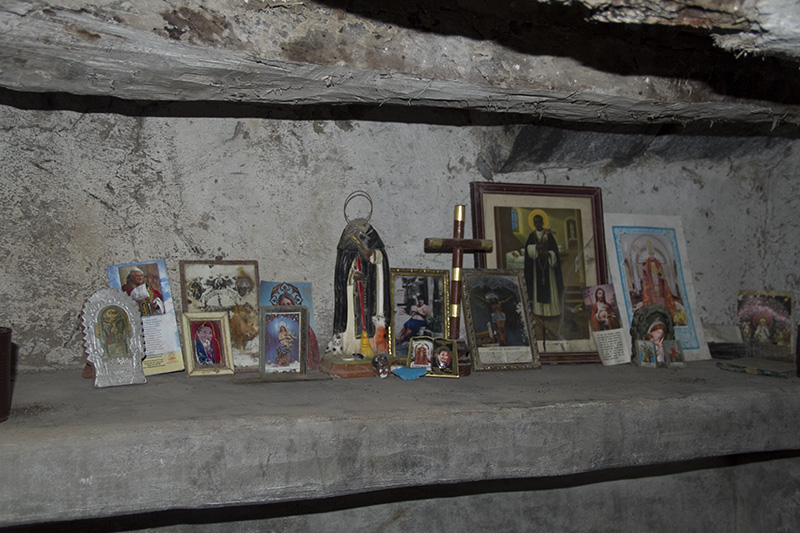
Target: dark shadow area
(213, 109)
(238, 513)
(416, 114)
(540, 29)
(570, 144)
(536, 142)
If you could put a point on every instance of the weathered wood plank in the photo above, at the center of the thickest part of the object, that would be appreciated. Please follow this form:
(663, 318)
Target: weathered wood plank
(75, 51)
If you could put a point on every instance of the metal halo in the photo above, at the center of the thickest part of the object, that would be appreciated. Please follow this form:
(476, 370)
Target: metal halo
(356, 194)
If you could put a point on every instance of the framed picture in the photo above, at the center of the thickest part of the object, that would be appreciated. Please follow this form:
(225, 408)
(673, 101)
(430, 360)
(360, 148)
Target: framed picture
(420, 351)
(438, 356)
(230, 286)
(207, 344)
(283, 342)
(419, 302)
(498, 322)
(114, 339)
(673, 354)
(650, 267)
(554, 235)
(765, 321)
(444, 361)
(645, 354)
(147, 283)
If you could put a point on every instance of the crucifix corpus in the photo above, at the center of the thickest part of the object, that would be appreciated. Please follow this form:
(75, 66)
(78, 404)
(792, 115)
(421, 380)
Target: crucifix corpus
(458, 245)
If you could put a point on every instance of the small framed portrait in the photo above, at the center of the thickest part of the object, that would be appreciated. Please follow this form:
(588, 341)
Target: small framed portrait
(112, 333)
(284, 341)
(420, 352)
(645, 354)
(498, 322)
(554, 235)
(673, 353)
(444, 362)
(419, 306)
(207, 344)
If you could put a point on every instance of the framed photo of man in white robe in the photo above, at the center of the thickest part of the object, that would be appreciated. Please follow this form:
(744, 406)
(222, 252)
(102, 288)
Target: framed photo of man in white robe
(554, 234)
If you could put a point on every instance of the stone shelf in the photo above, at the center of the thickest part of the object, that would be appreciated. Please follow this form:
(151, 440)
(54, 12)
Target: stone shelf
(72, 452)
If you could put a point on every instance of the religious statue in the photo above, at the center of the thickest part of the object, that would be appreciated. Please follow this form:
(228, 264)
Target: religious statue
(360, 287)
(652, 323)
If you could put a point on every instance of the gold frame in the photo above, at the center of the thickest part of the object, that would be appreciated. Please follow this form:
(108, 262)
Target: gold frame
(433, 370)
(396, 273)
(225, 367)
(516, 311)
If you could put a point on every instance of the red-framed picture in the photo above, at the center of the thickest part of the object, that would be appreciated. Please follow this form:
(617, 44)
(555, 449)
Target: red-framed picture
(554, 235)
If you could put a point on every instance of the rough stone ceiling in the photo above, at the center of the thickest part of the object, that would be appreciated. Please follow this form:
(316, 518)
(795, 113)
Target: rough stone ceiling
(620, 62)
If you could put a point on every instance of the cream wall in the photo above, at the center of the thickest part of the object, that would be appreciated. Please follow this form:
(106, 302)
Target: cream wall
(81, 191)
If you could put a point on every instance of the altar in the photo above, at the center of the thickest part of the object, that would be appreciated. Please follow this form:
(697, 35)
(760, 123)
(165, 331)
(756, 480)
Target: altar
(567, 447)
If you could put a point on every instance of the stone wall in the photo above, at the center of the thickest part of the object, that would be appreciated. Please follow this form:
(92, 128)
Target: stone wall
(83, 190)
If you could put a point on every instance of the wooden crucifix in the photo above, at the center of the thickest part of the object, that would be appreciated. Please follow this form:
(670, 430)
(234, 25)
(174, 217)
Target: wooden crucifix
(457, 245)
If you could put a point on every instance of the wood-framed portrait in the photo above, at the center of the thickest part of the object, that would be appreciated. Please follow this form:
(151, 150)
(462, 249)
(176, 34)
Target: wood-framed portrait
(498, 321)
(114, 338)
(554, 235)
(231, 286)
(283, 352)
(419, 300)
(207, 344)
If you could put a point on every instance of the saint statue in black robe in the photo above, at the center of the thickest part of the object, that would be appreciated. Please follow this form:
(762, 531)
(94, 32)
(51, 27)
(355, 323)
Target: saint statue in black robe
(361, 291)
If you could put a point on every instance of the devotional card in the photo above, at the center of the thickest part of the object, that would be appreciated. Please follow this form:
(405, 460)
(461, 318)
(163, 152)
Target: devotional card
(283, 346)
(650, 266)
(148, 285)
(765, 320)
(287, 293)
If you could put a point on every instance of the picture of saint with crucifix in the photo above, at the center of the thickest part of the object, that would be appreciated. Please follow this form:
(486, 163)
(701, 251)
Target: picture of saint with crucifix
(499, 327)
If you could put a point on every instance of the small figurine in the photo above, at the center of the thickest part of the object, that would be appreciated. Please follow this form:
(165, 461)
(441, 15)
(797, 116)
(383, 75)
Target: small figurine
(381, 366)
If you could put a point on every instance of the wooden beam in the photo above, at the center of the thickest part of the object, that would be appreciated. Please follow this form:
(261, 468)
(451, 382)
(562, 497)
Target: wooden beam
(79, 52)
